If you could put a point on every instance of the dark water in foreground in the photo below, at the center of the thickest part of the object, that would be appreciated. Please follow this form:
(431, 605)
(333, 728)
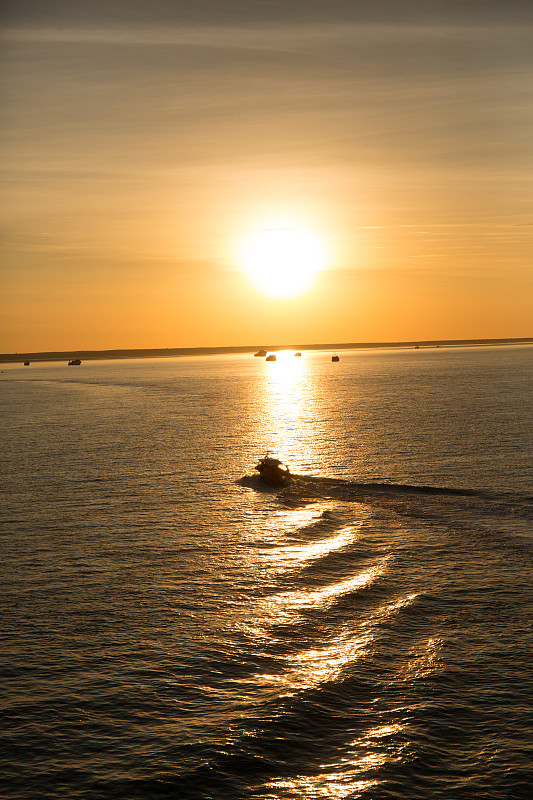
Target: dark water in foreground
(172, 629)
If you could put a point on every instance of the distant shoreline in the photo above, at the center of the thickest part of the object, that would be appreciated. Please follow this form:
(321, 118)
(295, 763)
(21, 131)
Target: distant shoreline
(173, 352)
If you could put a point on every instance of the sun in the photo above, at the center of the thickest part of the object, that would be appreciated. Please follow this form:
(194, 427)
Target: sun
(282, 262)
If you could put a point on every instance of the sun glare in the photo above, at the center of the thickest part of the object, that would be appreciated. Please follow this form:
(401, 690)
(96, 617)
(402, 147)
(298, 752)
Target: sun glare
(282, 262)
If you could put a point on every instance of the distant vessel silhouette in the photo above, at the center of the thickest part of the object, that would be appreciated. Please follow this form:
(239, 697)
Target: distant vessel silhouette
(261, 353)
(335, 357)
(74, 362)
(271, 357)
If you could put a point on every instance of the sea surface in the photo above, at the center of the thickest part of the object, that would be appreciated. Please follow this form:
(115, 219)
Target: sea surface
(171, 628)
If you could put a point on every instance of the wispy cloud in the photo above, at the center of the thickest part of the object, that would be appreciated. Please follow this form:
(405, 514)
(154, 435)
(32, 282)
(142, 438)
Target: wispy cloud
(266, 36)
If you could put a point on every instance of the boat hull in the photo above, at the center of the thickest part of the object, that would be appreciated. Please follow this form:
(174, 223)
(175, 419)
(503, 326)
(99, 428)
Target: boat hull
(274, 480)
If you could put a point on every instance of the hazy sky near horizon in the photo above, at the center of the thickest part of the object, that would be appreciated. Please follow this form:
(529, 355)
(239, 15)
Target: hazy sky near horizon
(143, 142)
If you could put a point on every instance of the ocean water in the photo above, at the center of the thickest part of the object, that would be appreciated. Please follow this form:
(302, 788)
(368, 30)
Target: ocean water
(173, 629)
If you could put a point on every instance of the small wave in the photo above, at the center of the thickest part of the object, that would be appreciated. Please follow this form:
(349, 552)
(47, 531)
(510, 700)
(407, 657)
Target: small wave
(326, 522)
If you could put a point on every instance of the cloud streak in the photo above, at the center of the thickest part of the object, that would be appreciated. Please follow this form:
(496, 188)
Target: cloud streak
(271, 36)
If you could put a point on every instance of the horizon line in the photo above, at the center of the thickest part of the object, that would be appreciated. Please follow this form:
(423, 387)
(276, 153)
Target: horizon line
(168, 352)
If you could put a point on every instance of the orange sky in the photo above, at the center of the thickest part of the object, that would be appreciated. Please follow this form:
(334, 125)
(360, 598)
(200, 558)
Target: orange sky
(143, 142)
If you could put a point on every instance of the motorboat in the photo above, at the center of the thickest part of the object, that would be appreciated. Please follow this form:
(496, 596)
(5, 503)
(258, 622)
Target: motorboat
(74, 362)
(335, 357)
(271, 357)
(273, 471)
(260, 353)
(297, 354)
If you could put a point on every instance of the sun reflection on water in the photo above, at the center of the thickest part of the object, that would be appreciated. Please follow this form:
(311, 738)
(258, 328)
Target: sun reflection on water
(273, 529)
(346, 777)
(287, 408)
(335, 656)
(321, 617)
(353, 772)
(424, 663)
(309, 552)
(322, 598)
(332, 785)
(311, 668)
(284, 376)
(315, 666)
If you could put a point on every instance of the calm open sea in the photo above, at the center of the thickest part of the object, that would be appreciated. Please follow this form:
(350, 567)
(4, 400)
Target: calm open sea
(171, 629)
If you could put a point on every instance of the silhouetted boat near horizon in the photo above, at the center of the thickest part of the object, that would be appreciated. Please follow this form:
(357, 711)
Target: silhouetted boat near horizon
(74, 362)
(260, 353)
(271, 357)
(335, 357)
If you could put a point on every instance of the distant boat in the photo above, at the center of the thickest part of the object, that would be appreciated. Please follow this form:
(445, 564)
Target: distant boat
(75, 362)
(26, 363)
(335, 357)
(297, 354)
(271, 357)
(261, 353)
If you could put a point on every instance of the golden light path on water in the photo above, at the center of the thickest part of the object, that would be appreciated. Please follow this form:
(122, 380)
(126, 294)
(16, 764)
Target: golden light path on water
(309, 668)
(293, 554)
(289, 540)
(288, 410)
(344, 779)
(321, 598)
(312, 667)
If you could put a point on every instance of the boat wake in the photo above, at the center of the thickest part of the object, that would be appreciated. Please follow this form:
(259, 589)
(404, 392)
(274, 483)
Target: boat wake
(302, 485)
(454, 507)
